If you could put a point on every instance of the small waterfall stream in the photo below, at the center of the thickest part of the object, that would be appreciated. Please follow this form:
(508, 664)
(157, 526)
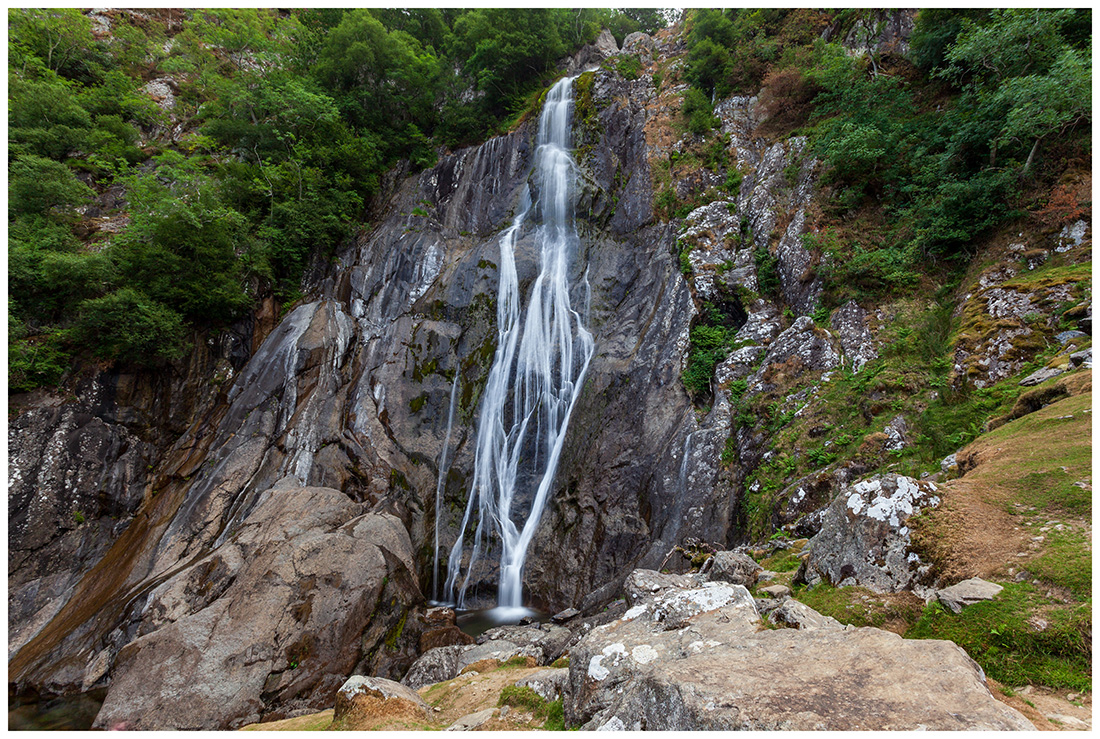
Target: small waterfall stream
(537, 373)
(440, 483)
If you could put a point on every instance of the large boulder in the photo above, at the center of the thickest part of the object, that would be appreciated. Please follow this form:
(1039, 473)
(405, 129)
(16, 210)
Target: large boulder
(376, 696)
(864, 539)
(278, 615)
(641, 584)
(719, 670)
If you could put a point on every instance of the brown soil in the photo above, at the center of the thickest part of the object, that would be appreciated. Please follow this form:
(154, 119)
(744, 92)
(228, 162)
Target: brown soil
(1049, 709)
(974, 533)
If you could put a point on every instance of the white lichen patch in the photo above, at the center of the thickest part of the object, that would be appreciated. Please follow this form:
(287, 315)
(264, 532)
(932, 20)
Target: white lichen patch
(634, 612)
(643, 654)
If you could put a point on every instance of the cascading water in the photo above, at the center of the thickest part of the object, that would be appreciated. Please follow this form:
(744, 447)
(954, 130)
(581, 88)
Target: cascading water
(541, 358)
(440, 483)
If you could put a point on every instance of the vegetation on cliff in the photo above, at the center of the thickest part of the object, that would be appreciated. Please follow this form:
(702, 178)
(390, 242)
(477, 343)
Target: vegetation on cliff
(132, 223)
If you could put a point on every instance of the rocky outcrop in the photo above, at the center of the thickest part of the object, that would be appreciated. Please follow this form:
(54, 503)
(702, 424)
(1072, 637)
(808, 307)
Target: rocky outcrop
(735, 568)
(717, 670)
(279, 614)
(864, 539)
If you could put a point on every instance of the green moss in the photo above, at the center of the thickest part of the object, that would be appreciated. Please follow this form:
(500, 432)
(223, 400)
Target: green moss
(418, 402)
(560, 662)
(394, 634)
(555, 716)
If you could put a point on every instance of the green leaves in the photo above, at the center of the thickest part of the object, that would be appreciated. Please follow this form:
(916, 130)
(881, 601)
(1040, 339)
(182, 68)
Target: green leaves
(39, 186)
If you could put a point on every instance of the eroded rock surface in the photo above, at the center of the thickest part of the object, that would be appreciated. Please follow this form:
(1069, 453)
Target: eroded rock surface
(864, 540)
(719, 670)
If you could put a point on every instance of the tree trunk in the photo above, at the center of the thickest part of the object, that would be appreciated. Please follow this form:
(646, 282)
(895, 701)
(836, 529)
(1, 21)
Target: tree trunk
(1030, 157)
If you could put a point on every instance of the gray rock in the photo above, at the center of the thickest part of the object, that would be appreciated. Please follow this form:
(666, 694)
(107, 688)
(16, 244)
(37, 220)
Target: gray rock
(550, 639)
(1041, 375)
(1067, 336)
(499, 649)
(776, 591)
(359, 689)
(735, 568)
(434, 666)
(640, 45)
(279, 613)
(967, 592)
(720, 671)
(849, 321)
(641, 584)
(471, 721)
(562, 617)
(864, 539)
(1072, 235)
(950, 465)
(549, 684)
(895, 434)
(606, 44)
(801, 616)
(1082, 358)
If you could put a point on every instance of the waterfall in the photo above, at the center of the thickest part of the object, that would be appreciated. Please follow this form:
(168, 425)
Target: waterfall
(440, 484)
(537, 373)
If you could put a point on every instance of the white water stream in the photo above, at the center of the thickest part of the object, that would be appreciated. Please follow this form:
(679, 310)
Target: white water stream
(537, 373)
(441, 482)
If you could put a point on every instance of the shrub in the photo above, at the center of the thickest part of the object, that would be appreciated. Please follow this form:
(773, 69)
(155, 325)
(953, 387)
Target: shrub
(37, 186)
(126, 325)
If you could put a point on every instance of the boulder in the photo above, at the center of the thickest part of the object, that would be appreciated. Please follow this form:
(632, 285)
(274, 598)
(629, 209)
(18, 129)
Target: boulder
(864, 539)
(641, 584)
(434, 666)
(550, 684)
(719, 671)
(735, 568)
(277, 615)
(550, 640)
(967, 592)
(565, 616)
(801, 616)
(377, 696)
(1082, 358)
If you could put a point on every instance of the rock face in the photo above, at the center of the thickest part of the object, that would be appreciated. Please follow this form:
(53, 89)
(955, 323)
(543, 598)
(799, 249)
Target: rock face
(864, 539)
(717, 670)
(280, 614)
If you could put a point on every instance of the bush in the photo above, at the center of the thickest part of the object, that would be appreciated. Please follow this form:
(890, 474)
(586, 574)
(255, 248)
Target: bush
(698, 112)
(129, 327)
(37, 186)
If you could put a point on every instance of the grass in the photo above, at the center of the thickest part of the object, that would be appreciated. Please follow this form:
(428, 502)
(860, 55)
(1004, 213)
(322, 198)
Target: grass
(1065, 561)
(860, 606)
(997, 634)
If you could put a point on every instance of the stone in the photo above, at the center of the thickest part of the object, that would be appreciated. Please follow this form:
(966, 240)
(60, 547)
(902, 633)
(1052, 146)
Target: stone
(801, 616)
(606, 44)
(1041, 375)
(434, 666)
(776, 591)
(279, 613)
(550, 640)
(471, 721)
(949, 466)
(735, 568)
(643, 583)
(720, 671)
(895, 434)
(550, 684)
(966, 593)
(1067, 336)
(375, 694)
(849, 322)
(1082, 359)
(565, 616)
(864, 539)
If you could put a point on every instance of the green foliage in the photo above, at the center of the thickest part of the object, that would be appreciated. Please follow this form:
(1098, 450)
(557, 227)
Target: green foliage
(127, 326)
(522, 697)
(37, 186)
(710, 344)
(767, 271)
(555, 716)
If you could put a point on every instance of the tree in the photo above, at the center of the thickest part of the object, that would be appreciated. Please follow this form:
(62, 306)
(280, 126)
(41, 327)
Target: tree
(37, 186)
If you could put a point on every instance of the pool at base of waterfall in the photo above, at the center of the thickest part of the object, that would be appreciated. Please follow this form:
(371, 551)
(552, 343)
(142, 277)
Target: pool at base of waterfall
(477, 622)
